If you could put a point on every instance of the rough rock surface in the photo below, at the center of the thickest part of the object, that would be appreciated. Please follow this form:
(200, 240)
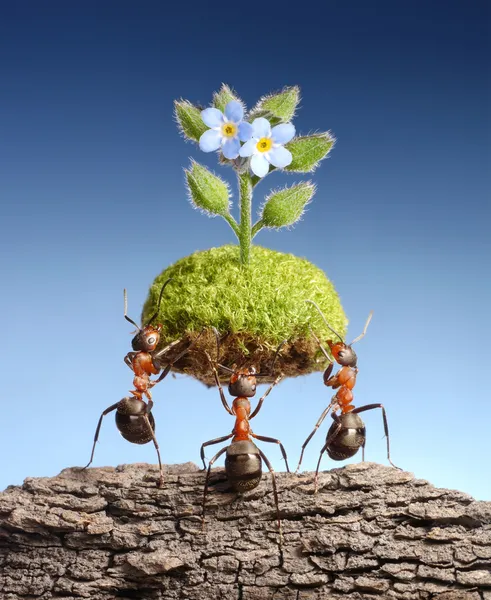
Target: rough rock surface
(370, 532)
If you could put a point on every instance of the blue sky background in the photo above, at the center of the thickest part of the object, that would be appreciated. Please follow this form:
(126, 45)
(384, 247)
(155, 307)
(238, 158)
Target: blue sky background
(92, 200)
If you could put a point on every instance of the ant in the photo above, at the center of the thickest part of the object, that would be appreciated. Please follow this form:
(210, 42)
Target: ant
(143, 361)
(347, 434)
(134, 418)
(243, 465)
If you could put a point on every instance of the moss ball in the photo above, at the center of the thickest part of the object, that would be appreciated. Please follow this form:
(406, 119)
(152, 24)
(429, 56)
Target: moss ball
(254, 308)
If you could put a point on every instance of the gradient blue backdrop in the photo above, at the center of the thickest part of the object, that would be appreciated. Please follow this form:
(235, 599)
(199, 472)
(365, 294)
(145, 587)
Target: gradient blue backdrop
(92, 201)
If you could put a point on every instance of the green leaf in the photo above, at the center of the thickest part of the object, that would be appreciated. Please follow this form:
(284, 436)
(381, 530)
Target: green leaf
(189, 120)
(207, 191)
(278, 108)
(285, 207)
(224, 96)
(308, 151)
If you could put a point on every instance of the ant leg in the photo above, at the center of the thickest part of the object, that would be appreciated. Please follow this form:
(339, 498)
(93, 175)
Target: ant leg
(157, 355)
(316, 476)
(275, 493)
(210, 443)
(219, 385)
(327, 375)
(330, 366)
(262, 438)
(98, 429)
(386, 427)
(205, 491)
(317, 425)
(128, 359)
(155, 443)
(169, 366)
(163, 375)
(266, 393)
(329, 441)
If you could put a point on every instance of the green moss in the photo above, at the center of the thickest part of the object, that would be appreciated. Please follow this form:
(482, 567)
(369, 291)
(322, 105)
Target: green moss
(255, 307)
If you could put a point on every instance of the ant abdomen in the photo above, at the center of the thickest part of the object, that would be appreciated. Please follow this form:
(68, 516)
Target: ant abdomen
(131, 422)
(349, 438)
(243, 466)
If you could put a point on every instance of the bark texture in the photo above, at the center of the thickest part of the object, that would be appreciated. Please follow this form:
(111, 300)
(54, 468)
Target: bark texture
(370, 532)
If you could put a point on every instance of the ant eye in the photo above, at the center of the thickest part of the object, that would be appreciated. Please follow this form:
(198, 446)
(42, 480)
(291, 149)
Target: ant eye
(151, 340)
(341, 354)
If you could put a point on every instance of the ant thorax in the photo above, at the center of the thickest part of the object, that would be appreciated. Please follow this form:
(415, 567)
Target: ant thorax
(241, 407)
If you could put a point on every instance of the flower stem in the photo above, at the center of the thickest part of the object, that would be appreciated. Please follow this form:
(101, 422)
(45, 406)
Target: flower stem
(233, 224)
(256, 227)
(245, 237)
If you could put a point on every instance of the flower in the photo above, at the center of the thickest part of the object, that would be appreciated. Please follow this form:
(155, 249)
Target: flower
(226, 130)
(266, 146)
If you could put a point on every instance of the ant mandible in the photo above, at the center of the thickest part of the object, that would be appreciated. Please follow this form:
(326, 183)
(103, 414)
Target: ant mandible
(134, 418)
(347, 434)
(243, 465)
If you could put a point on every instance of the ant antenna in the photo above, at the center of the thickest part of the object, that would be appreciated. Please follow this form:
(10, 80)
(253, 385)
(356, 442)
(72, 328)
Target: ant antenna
(160, 300)
(364, 330)
(217, 335)
(324, 351)
(325, 321)
(126, 308)
(282, 343)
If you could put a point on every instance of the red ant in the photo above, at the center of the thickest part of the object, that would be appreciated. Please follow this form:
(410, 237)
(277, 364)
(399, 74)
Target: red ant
(143, 361)
(347, 433)
(243, 457)
(134, 418)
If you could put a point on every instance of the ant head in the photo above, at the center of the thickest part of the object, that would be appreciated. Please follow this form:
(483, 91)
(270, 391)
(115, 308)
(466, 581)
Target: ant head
(147, 339)
(343, 354)
(243, 382)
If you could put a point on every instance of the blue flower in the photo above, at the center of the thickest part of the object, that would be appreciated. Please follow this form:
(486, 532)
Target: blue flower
(226, 130)
(266, 146)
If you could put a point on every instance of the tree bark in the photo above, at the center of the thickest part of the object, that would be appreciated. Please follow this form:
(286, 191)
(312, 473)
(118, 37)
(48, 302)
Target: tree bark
(370, 532)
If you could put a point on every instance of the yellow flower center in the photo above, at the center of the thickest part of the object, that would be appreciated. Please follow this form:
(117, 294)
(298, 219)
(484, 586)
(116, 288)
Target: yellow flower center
(264, 144)
(229, 130)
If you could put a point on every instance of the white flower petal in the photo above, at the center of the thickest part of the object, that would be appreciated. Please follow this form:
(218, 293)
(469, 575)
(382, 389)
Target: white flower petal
(230, 148)
(261, 128)
(212, 117)
(280, 157)
(245, 131)
(283, 133)
(248, 148)
(234, 111)
(210, 140)
(259, 165)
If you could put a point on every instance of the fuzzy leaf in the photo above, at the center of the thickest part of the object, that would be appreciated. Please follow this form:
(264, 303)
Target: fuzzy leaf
(286, 206)
(189, 120)
(207, 191)
(308, 151)
(278, 108)
(224, 96)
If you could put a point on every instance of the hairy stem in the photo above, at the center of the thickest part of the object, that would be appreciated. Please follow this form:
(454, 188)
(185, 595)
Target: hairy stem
(256, 227)
(233, 224)
(245, 237)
